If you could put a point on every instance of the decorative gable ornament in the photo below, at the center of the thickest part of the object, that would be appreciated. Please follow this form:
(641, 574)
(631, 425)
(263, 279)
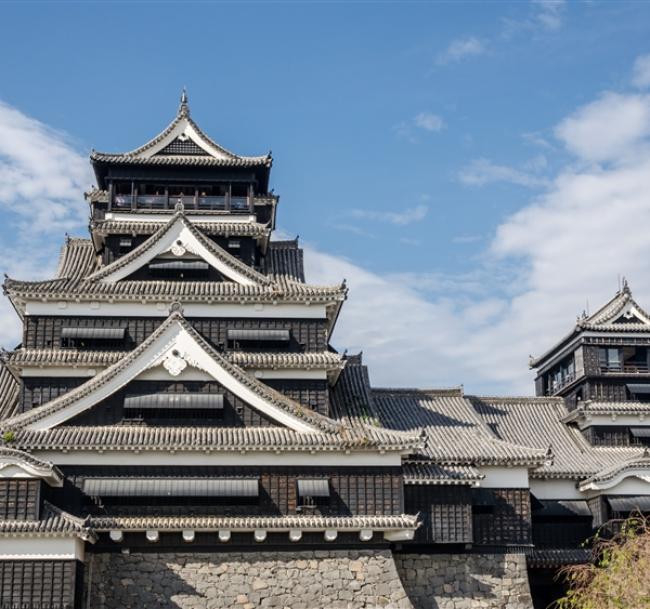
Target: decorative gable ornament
(178, 249)
(174, 363)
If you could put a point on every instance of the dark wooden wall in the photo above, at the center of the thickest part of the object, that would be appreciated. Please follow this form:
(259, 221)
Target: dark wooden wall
(353, 491)
(236, 412)
(20, 499)
(40, 584)
(309, 392)
(445, 512)
(45, 331)
(502, 516)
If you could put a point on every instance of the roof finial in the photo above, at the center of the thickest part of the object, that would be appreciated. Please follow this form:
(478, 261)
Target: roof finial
(626, 286)
(184, 108)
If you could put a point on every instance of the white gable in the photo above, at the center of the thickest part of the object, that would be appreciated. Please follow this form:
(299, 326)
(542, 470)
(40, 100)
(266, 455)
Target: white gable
(629, 314)
(175, 350)
(177, 241)
(184, 130)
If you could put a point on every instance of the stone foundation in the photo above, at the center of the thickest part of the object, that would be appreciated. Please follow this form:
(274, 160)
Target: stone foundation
(334, 579)
(465, 581)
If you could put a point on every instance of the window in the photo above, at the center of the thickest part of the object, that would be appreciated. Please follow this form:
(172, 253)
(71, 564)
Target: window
(610, 358)
(312, 492)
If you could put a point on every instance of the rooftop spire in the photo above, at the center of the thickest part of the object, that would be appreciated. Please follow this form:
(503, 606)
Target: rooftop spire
(626, 286)
(184, 108)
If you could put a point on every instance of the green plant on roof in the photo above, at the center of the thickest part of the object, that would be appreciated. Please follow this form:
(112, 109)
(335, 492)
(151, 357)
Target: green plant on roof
(8, 437)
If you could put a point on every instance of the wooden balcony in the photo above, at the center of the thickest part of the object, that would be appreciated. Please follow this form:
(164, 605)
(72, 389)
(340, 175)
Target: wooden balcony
(227, 203)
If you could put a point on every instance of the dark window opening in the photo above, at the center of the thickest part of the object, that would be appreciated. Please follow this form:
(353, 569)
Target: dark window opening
(258, 340)
(109, 339)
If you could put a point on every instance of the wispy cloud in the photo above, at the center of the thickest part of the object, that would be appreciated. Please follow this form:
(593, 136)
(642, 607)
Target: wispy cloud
(461, 49)
(537, 271)
(641, 72)
(428, 121)
(550, 13)
(483, 171)
(543, 16)
(398, 218)
(424, 121)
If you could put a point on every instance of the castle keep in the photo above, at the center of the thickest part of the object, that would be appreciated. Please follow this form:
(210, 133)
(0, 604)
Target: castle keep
(177, 430)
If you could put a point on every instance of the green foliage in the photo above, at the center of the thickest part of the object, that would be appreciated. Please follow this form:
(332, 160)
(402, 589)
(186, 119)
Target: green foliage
(8, 437)
(619, 578)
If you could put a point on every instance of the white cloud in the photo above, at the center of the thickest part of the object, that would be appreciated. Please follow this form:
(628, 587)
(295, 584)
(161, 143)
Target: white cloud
(398, 218)
(482, 171)
(641, 72)
(42, 179)
(609, 129)
(567, 246)
(424, 121)
(428, 121)
(550, 13)
(460, 49)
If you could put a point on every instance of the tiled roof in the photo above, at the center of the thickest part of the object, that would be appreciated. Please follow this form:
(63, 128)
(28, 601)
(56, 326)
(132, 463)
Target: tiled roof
(148, 227)
(250, 523)
(171, 291)
(20, 455)
(9, 392)
(77, 259)
(432, 473)
(539, 422)
(641, 460)
(54, 522)
(548, 558)
(214, 154)
(285, 259)
(591, 407)
(179, 159)
(622, 314)
(452, 431)
(75, 357)
(179, 218)
(208, 439)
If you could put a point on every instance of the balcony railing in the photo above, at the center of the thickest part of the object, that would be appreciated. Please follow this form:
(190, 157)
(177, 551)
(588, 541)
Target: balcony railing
(169, 202)
(627, 368)
(557, 385)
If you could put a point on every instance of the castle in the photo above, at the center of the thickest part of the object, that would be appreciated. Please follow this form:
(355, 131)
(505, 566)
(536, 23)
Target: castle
(177, 431)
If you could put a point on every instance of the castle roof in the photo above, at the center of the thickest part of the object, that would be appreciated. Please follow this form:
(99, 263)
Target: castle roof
(80, 276)
(54, 522)
(620, 315)
(181, 143)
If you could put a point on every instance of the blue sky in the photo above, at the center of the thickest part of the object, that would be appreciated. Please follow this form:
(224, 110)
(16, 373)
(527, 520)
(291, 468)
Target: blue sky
(433, 153)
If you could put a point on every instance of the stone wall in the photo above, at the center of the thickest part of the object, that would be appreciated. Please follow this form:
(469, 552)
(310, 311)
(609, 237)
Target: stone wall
(335, 579)
(465, 581)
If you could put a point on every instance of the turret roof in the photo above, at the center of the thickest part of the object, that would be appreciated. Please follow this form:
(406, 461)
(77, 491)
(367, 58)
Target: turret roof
(621, 314)
(182, 142)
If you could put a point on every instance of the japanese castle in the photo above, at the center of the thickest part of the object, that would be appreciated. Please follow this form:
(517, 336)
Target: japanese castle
(176, 401)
